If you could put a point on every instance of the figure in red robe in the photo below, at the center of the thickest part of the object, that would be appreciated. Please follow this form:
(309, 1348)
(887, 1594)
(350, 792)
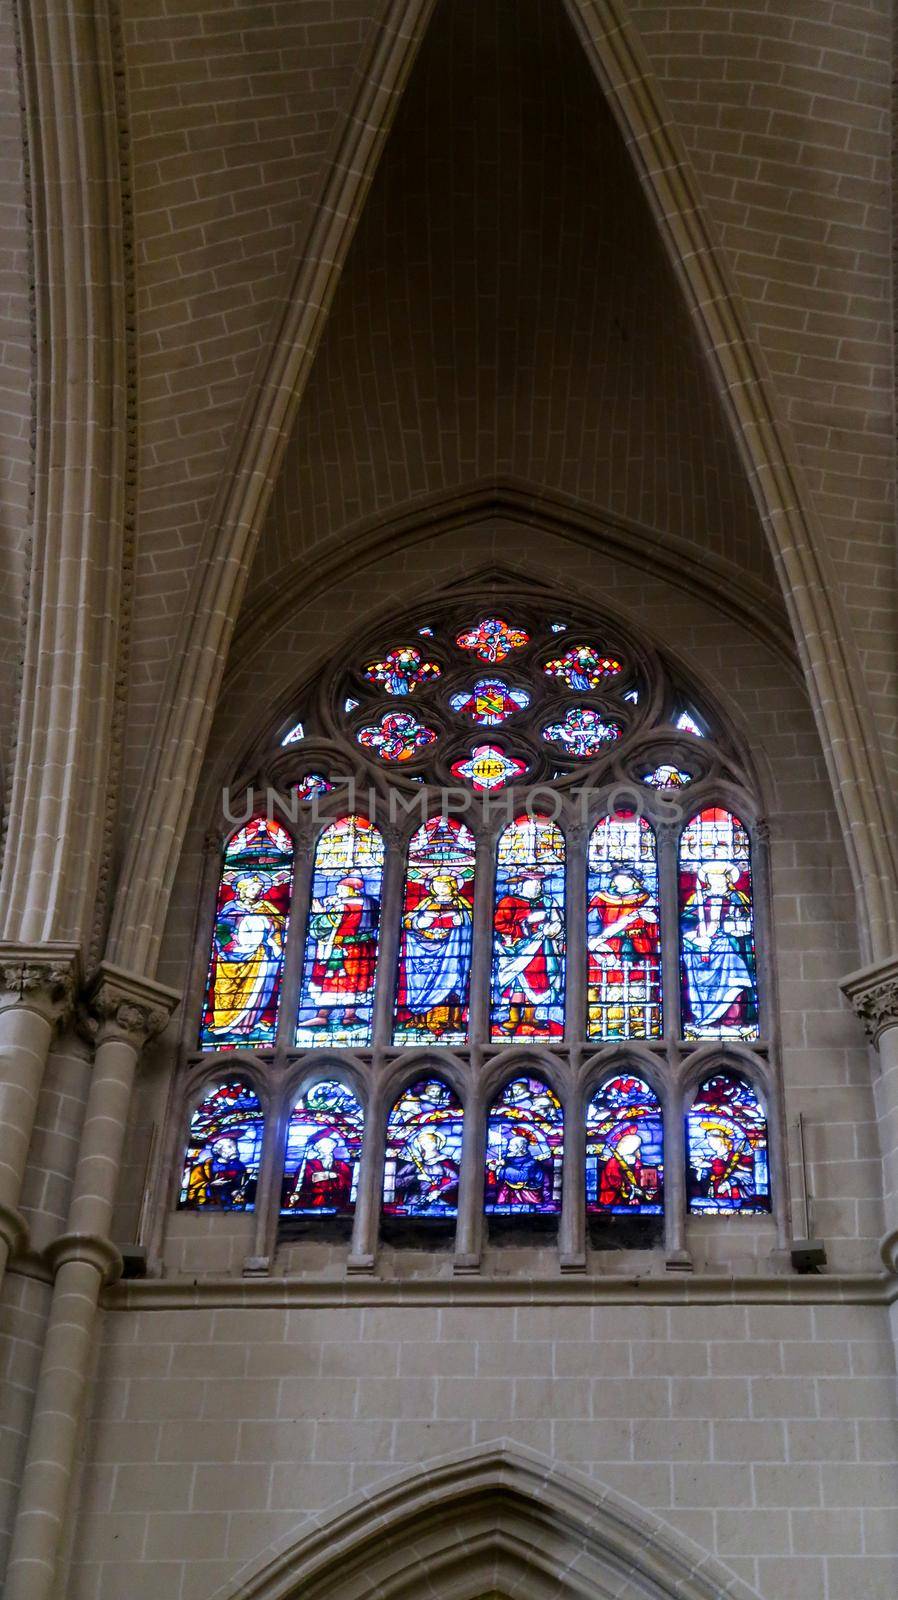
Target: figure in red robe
(344, 927)
(324, 1181)
(623, 1180)
(529, 953)
(622, 940)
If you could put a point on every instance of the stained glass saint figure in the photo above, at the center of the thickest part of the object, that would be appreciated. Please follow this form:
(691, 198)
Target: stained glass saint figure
(528, 932)
(524, 1143)
(624, 1149)
(337, 997)
(423, 1155)
(324, 1142)
(435, 946)
(243, 986)
(623, 931)
(726, 1142)
(717, 946)
(224, 1147)
(402, 670)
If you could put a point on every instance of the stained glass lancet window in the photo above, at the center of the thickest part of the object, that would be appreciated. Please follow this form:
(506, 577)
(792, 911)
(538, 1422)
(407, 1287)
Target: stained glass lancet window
(324, 1142)
(717, 947)
(246, 961)
(525, 1135)
(224, 1147)
(726, 1142)
(528, 932)
(423, 1156)
(435, 947)
(624, 1149)
(623, 934)
(340, 963)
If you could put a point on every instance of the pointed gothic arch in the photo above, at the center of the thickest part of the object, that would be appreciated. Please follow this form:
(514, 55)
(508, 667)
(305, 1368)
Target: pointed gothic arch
(485, 1522)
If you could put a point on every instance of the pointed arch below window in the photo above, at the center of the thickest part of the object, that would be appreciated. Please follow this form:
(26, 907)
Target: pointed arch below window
(224, 1147)
(726, 1148)
(336, 1004)
(623, 931)
(524, 1141)
(322, 1152)
(719, 990)
(625, 1149)
(246, 961)
(527, 980)
(434, 975)
(423, 1152)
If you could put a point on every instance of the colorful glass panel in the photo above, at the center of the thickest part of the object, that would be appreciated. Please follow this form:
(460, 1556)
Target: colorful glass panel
(402, 670)
(623, 937)
(490, 702)
(625, 1150)
(528, 932)
(423, 1157)
(726, 1142)
(435, 949)
(524, 1142)
(398, 736)
(717, 946)
(493, 639)
(583, 667)
(311, 786)
(666, 776)
(340, 962)
(224, 1147)
(321, 1162)
(247, 956)
(488, 768)
(582, 732)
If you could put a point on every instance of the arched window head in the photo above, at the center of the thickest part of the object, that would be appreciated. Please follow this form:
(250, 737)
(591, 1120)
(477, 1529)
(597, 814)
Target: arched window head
(529, 932)
(337, 997)
(525, 1135)
(246, 962)
(224, 1147)
(423, 1155)
(324, 1144)
(717, 944)
(623, 933)
(434, 975)
(625, 1149)
(726, 1144)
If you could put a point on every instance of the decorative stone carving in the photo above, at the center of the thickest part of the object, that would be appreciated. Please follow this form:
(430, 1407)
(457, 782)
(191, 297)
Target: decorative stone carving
(873, 994)
(40, 977)
(121, 1005)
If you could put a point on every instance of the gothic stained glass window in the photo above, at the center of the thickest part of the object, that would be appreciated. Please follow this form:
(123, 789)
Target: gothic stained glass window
(435, 947)
(246, 960)
(490, 702)
(401, 670)
(324, 1142)
(528, 932)
(493, 639)
(625, 1149)
(336, 1002)
(525, 1136)
(423, 1156)
(224, 1147)
(583, 667)
(488, 767)
(726, 1142)
(398, 736)
(666, 776)
(582, 732)
(717, 947)
(623, 935)
(687, 724)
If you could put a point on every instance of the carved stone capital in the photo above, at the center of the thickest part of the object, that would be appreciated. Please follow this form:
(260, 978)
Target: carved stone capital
(121, 1005)
(42, 978)
(873, 994)
(88, 1248)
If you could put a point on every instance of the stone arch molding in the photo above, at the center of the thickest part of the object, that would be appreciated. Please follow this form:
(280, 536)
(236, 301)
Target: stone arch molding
(828, 657)
(500, 1522)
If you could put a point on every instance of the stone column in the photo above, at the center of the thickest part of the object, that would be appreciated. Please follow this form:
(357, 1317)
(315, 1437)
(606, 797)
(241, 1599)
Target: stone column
(873, 993)
(125, 1011)
(37, 989)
